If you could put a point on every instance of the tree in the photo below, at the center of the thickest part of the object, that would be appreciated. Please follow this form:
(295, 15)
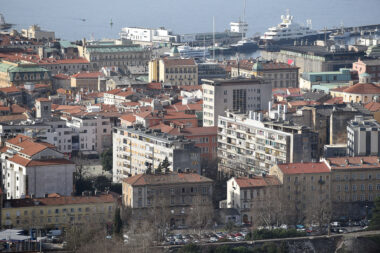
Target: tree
(375, 220)
(159, 169)
(201, 213)
(166, 164)
(106, 159)
(102, 183)
(118, 223)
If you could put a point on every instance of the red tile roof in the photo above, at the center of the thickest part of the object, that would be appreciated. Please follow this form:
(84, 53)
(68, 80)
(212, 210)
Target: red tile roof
(87, 75)
(257, 181)
(130, 118)
(16, 109)
(165, 179)
(373, 106)
(49, 162)
(114, 91)
(5, 108)
(154, 86)
(354, 162)
(179, 115)
(363, 88)
(303, 168)
(194, 131)
(19, 160)
(10, 89)
(43, 100)
(18, 139)
(62, 76)
(13, 118)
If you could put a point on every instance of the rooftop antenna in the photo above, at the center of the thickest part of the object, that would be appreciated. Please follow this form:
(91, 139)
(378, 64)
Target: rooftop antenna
(213, 38)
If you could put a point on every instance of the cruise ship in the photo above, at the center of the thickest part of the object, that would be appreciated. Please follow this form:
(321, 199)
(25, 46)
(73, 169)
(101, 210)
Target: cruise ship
(193, 52)
(288, 31)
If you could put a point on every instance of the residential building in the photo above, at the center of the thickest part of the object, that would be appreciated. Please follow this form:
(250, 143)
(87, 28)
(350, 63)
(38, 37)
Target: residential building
(148, 36)
(363, 137)
(43, 108)
(35, 32)
(177, 196)
(175, 71)
(34, 168)
(305, 192)
(249, 194)
(355, 185)
(240, 95)
(55, 211)
(371, 67)
(339, 78)
(85, 80)
(252, 144)
(120, 54)
(136, 149)
(90, 133)
(280, 75)
(17, 74)
(210, 70)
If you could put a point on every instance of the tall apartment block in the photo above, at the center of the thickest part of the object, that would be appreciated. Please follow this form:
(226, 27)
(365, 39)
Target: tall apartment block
(363, 137)
(241, 95)
(251, 144)
(136, 149)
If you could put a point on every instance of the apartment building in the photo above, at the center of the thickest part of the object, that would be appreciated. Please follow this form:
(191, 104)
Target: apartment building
(34, 168)
(86, 80)
(355, 184)
(305, 192)
(363, 138)
(240, 95)
(177, 195)
(249, 194)
(309, 80)
(35, 32)
(55, 211)
(250, 144)
(177, 71)
(147, 36)
(136, 149)
(90, 133)
(280, 75)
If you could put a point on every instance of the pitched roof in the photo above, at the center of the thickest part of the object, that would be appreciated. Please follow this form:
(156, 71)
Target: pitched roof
(178, 62)
(164, 179)
(49, 162)
(12, 89)
(129, 118)
(363, 88)
(357, 162)
(85, 75)
(18, 139)
(13, 118)
(43, 100)
(257, 181)
(303, 168)
(373, 106)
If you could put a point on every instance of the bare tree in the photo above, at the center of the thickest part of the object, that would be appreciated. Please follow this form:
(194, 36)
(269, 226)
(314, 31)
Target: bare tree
(201, 213)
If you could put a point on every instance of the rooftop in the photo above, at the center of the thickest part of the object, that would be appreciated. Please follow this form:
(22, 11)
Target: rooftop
(178, 62)
(165, 179)
(257, 181)
(303, 168)
(359, 162)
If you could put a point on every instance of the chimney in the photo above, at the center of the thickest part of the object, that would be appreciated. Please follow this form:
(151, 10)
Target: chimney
(347, 162)
(46, 195)
(362, 161)
(20, 139)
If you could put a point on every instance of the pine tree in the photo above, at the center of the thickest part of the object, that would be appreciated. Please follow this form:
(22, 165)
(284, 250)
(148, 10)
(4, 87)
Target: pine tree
(166, 164)
(159, 169)
(118, 223)
(375, 220)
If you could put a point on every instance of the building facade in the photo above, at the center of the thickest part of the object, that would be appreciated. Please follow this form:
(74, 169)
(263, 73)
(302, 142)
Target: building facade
(310, 79)
(177, 196)
(241, 95)
(147, 36)
(176, 71)
(252, 145)
(372, 67)
(363, 137)
(35, 32)
(58, 211)
(136, 149)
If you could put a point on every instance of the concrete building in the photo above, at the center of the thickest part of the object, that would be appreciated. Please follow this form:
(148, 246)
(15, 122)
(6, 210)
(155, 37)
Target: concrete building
(34, 168)
(310, 79)
(175, 71)
(55, 211)
(305, 192)
(114, 53)
(363, 138)
(43, 108)
(371, 67)
(252, 145)
(355, 185)
(210, 70)
(136, 149)
(148, 36)
(176, 196)
(86, 80)
(249, 194)
(35, 32)
(90, 133)
(241, 95)
(280, 75)
(315, 58)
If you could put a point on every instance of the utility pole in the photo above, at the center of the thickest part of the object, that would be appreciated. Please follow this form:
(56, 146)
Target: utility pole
(213, 38)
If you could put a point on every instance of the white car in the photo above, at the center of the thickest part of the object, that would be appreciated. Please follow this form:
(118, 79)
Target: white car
(213, 239)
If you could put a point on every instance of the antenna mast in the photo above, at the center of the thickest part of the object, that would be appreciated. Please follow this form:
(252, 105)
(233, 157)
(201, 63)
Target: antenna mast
(213, 38)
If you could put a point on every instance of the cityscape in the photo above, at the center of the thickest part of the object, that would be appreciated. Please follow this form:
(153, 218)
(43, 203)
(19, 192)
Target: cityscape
(153, 140)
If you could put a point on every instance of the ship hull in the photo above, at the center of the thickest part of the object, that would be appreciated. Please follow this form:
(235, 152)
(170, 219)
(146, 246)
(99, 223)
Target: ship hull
(263, 43)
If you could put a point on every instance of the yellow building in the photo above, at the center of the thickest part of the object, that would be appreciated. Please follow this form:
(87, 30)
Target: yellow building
(154, 70)
(58, 211)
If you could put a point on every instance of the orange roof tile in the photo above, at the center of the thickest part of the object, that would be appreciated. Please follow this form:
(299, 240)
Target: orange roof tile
(303, 168)
(19, 160)
(10, 89)
(357, 162)
(363, 88)
(85, 75)
(43, 100)
(159, 179)
(373, 106)
(257, 181)
(129, 118)
(18, 139)
(50, 162)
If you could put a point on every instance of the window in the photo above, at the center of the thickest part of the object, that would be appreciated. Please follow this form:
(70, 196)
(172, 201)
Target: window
(225, 92)
(338, 188)
(57, 210)
(354, 187)
(370, 187)
(41, 211)
(72, 210)
(346, 188)
(25, 212)
(378, 187)
(172, 191)
(79, 209)
(362, 187)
